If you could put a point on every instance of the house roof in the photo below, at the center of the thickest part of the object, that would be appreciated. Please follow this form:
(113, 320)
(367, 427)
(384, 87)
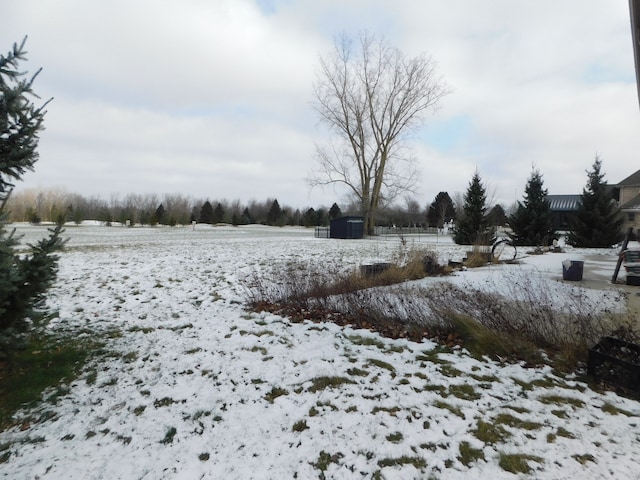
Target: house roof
(563, 203)
(634, 13)
(631, 181)
(633, 204)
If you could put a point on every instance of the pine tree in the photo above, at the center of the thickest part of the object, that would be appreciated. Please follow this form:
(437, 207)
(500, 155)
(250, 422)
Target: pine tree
(598, 221)
(246, 218)
(24, 280)
(161, 214)
(334, 211)
(218, 214)
(497, 216)
(472, 226)
(206, 213)
(274, 214)
(532, 222)
(440, 210)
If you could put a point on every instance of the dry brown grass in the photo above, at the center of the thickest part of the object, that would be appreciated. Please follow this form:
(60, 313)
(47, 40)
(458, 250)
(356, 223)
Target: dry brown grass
(518, 323)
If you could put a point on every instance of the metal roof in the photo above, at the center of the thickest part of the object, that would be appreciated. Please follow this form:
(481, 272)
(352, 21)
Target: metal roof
(564, 203)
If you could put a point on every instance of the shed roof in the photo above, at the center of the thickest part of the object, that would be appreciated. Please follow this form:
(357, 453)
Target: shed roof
(564, 203)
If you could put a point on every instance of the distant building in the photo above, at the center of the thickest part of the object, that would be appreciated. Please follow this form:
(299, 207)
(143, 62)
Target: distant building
(562, 208)
(347, 227)
(627, 193)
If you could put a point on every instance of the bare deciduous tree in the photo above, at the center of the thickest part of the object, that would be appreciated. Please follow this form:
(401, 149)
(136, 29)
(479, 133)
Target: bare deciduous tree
(372, 96)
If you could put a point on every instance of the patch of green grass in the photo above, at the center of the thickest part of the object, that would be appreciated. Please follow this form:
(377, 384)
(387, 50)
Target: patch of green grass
(300, 426)
(321, 383)
(193, 350)
(262, 333)
(417, 462)
(545, 382)
(141, 329)
(262, 350)
(359, 340)
(395, 437)
(517, 462)
(514, 422)
(139, 410)
(357, 372)
(518, 409)
(203, 457)
(565, 433)
(490, 433)
(45, 363)
(91, 377)
(382, 364)
(390, 410)
(324, 460)
(485, 378)
(464, 392)
(560, 413)
(560, 400)
(275, 393)
(432, 356)
(583, 459)
(613, 410)
(164, 402)
(453, 409)
(468, 454)
(441, 389)
(448, 370)
(168, 437)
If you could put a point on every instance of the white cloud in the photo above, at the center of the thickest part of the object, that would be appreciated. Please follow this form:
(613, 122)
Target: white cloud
(213, 98)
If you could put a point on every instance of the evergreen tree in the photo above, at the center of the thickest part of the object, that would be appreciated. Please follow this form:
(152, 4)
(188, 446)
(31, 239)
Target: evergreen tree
(309, 217)
(497, 216)
(320, 217)
(441, 210)
(206, 213)
(218, 214)
(598, 221)
(246, 217)
(274, 214)
(161, 214)
(472, 226)
(532, 222)
(334, 211)
(24, 280)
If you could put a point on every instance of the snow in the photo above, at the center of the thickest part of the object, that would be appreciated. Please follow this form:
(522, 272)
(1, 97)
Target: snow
(183, 353)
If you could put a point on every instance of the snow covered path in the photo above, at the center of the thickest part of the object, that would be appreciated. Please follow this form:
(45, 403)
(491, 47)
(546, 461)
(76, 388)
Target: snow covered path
(193, 386)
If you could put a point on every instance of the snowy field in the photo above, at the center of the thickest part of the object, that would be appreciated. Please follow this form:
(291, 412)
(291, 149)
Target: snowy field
(193, 386)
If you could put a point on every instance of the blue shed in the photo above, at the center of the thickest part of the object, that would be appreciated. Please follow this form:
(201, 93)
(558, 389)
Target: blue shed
(347, 227)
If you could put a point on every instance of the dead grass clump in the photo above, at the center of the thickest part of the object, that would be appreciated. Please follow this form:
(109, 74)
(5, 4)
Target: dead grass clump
(478, 257)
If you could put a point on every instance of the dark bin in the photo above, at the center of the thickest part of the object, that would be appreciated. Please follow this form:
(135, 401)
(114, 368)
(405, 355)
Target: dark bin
(370, 270)
(615, 362)
(572, 270)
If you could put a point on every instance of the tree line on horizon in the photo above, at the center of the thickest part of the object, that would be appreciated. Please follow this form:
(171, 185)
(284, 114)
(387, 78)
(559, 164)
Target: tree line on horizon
(52, 205)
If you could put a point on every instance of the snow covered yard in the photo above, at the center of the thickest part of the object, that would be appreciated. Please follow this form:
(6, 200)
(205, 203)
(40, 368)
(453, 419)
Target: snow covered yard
(191, 385)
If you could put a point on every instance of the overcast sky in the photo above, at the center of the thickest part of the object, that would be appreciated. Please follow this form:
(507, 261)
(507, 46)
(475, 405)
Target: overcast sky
(212, 98)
